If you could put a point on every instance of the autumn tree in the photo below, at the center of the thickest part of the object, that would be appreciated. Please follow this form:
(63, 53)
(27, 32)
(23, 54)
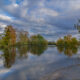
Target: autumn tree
(67, 41)
(23, 37)
(9, 37)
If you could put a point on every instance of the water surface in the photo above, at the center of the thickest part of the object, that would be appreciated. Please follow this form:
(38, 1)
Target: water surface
(39, 63)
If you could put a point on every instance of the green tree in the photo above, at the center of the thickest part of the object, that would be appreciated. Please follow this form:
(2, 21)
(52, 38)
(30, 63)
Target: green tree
(60, 42)
(67, 41)
(74, 42)
(38, 40)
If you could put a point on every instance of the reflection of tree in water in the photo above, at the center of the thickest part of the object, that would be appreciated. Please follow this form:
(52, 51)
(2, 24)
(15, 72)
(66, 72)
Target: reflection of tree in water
(10, 53)
(60, 49)
(69, 51)
(23, 51)
(9, 56)
(37, 50)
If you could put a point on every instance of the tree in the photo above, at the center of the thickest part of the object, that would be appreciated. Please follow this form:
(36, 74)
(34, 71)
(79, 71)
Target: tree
(9, 37)
(60, 42)
(38, 40)
(67, 41)
(77, 26)
(74, 41)
(23, 37)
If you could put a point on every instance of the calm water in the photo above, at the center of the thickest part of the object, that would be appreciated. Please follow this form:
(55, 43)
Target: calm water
(40, 63)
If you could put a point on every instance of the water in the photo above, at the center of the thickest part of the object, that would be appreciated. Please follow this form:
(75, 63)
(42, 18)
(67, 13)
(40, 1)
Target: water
(40, 63)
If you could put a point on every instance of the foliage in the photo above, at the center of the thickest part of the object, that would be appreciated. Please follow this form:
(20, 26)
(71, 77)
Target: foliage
(60, 42)
(74, 41)
(67, 41)
(38, 40)
(9, 37)
(68, 45)
(23, 38)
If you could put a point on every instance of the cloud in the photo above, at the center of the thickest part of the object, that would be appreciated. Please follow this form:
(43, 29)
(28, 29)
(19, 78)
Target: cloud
(3, 17)
(40, 16)
(2, 27)
(45, 12)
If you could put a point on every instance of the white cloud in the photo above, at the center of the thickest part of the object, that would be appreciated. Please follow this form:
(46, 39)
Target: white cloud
(3, 17)
(75, 5)
(2, 27)
(15, 5)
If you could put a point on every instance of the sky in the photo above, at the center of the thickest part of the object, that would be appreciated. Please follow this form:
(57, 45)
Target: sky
(50, 18)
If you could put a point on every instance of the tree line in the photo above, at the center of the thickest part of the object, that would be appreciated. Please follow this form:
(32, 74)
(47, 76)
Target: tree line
(11, 37)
